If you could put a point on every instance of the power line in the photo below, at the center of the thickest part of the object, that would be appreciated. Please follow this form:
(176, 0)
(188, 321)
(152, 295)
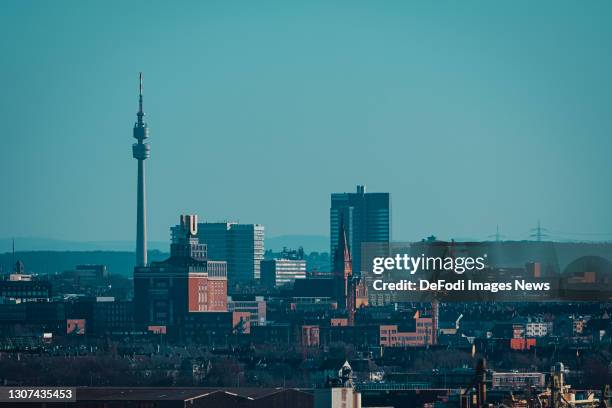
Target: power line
(538, 232)
(603, 234)
(498, 237)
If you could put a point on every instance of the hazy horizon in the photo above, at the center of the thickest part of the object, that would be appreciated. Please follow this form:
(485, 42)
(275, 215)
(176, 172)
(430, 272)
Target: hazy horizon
(471, 115)
(310, 243)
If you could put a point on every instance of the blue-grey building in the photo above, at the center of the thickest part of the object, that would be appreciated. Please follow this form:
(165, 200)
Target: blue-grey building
(240, 245)
(366, 218)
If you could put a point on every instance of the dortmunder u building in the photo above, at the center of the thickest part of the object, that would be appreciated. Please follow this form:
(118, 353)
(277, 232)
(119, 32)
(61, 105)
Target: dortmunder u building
(166, 292)
(366, 218)
(240, 245)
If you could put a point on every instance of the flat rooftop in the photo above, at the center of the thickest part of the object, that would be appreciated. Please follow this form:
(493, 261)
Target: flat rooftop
(171, 393)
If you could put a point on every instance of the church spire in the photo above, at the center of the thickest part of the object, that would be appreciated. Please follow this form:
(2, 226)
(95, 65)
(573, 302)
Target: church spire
(343, 275)
(342, 258)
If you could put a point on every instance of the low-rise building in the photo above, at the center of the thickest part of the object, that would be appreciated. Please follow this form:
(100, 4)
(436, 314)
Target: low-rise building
(537, 327)
(518, 381)
(419, 332)
(254, 305)
(20, 291)
(282, 272)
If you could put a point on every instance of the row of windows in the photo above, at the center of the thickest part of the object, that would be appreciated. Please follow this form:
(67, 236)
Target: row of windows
(26, 293)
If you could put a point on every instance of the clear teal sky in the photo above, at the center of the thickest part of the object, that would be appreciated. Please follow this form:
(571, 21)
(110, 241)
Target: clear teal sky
(470, 113)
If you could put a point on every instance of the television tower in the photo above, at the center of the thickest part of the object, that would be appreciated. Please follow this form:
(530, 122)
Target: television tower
(141, 151)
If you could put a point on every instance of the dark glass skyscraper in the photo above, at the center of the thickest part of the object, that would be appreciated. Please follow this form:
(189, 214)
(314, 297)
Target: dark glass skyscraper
(366, 217)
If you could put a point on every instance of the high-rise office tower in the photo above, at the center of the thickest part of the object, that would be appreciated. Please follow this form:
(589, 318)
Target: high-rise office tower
(240, 245)
(366, 218)
(246, 251)
(141, 151)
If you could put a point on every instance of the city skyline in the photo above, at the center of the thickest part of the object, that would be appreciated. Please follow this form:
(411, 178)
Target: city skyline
(348, 205)
(464, 140)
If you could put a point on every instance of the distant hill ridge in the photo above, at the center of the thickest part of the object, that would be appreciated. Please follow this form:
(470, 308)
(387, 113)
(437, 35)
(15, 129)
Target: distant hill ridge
(51, 256)
(506, 254)
(51, 262)
(311, 243)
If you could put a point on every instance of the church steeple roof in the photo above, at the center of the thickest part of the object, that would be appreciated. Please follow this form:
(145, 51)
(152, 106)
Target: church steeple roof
(342, 257)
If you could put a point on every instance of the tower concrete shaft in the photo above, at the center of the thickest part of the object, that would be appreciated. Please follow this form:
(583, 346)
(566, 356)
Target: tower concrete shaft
(141, 152)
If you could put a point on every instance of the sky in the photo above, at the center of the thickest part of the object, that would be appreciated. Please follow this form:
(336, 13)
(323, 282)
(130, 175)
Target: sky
(471, 114)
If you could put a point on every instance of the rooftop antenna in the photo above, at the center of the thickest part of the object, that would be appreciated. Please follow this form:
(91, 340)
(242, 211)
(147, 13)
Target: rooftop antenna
(13, 260)
(140, 92)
